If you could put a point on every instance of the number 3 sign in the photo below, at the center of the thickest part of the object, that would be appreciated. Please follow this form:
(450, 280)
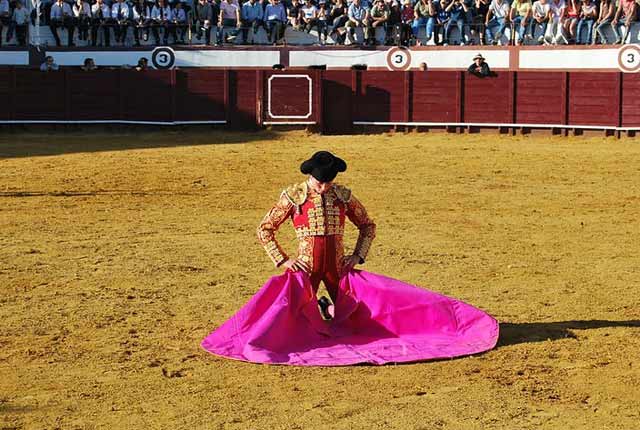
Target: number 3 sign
(163, 58)
(398, 58)
(629, 58)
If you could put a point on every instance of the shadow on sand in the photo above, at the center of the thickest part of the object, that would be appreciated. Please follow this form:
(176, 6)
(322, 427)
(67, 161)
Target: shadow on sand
(515, 333)
(60, 140)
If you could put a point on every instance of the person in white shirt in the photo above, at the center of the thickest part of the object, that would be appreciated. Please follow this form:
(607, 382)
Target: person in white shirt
(554, 33)
(179, 23)
(120, 17)
(142, 20)
(19, 22)
(61, 16)
(308, 15)
(100, 20)
(497, 17)
(82, 18)
(540, 12)
(161, 17)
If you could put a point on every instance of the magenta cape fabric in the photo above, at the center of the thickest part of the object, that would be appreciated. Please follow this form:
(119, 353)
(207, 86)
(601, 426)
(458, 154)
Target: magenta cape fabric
(377, 320)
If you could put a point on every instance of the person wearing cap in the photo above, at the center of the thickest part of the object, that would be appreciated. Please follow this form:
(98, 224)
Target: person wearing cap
(479, 68)
(318, 208)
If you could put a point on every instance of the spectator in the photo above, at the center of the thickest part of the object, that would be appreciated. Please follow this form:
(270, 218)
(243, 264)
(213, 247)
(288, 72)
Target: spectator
(179, 23)
(338, 17)
(393, 27)
(276, 18)
(406, 20)
(605, 17)
(89, 65)
(588, 15)
(293, 14)
(20, 21)
(100, 20)
(625, 15)
(479, 67)
(358, 18)
(424, 15)
(541, 12)
(554, 34)
(120, 17)
(61, 16)
(571, 20)
(479, 13)
(48, 64)
(141, 14)
(229, 18)
(520, 15)
(161, 17)
(458, 10)
(379, 16)
(82, 18)
(423, 67)
(5, 18)
(443, 16)
(497, 17)
(322, 22)
(203, 20)
(308, 16)
(143, 64)
(252, 17)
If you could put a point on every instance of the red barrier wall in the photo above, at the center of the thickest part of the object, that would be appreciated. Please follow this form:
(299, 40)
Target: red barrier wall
(333, 100)
(630, 100)
(594, 99)
(541, 98)
(435, 97)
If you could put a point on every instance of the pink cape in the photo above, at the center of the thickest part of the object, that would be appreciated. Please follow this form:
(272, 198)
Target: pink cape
(377, 320)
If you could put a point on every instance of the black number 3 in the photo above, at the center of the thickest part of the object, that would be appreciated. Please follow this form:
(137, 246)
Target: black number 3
(631, 58)
(398, 59)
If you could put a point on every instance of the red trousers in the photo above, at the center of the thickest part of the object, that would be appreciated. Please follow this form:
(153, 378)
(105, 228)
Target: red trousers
(325, 266)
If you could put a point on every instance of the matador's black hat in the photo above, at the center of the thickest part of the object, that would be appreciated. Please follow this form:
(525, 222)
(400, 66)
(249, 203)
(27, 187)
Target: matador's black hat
(324, 166)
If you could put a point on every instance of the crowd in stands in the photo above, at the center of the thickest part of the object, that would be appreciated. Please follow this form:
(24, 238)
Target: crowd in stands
(483, 22)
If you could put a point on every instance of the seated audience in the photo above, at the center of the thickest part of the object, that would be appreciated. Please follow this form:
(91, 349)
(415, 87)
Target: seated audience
(625, 16)
(100, 20)
(588, 15)
(252, 18)
(20, 21)
(61, 16)
(276, 19)
(229, 17)
(520, 16)
(162, 18)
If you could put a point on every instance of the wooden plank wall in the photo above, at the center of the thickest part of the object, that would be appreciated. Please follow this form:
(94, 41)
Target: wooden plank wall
(337, 97)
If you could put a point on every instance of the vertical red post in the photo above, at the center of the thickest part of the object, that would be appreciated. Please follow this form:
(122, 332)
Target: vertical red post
(406, 99)
(67, 96)
(260, 75)
(226, 95)
(317, 101)
(172, 81)
(565, 99)
(460, 97)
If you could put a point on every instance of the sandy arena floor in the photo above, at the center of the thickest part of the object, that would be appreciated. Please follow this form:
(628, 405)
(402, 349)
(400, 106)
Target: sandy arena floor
(118, 254)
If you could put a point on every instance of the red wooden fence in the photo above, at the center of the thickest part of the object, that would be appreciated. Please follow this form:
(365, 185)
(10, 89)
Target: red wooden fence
(332, 100)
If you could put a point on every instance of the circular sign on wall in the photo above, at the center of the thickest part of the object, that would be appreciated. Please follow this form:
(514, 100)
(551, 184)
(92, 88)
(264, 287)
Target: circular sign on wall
(398, 58)
(629, 58)
(163, 58)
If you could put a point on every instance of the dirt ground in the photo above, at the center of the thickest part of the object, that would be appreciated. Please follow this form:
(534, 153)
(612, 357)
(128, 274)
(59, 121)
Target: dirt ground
(120, 252)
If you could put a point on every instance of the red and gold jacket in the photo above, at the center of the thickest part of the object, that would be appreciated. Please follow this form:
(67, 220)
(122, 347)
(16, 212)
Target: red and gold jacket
(316, 215)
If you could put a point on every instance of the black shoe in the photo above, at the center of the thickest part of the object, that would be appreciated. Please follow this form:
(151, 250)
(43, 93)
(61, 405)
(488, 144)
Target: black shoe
(324, 304)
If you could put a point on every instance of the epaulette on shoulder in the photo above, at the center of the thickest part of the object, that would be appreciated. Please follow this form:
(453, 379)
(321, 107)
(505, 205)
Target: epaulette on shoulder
(342, 192)
(296, 193)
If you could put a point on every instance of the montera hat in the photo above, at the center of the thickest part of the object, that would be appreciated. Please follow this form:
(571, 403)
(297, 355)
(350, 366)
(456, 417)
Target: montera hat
(324, 166)
(478, 57)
